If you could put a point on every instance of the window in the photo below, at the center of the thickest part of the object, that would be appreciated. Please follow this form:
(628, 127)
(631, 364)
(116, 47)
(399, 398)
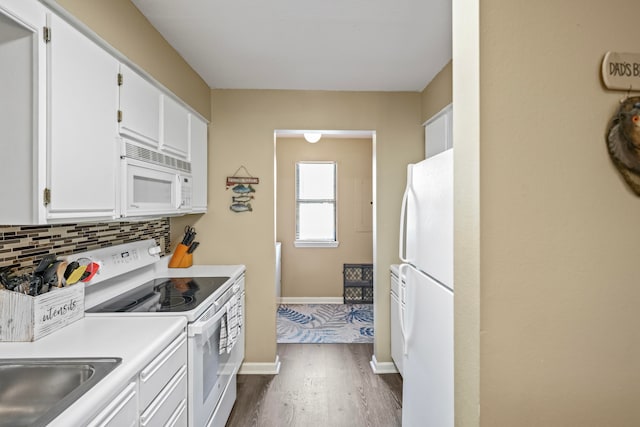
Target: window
(316, 204)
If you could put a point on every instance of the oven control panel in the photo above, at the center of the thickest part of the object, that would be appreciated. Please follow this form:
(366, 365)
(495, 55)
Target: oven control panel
(120, 259)
(125, 257)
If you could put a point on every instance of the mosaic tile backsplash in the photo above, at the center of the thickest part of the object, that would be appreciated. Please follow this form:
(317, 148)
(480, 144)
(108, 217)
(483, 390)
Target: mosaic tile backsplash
(22, 247)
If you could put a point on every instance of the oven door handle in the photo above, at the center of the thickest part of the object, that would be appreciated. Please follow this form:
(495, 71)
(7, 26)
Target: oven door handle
(205, 327)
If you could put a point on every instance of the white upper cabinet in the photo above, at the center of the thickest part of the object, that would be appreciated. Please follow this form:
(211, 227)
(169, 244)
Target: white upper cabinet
(175, 128)
(82, 103)
(438, 132)
(22, 110)
(139, 116)
(58, 120)
(199, 151)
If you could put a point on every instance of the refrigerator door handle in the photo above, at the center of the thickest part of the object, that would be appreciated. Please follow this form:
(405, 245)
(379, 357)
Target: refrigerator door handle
(401, 312)
(402, 248)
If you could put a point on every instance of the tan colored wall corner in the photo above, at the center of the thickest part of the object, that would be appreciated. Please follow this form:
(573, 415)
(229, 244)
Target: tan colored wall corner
(466, 181)
(242, 133)
(122, 25)
(438, 93)
(558, 227)
(317, 272)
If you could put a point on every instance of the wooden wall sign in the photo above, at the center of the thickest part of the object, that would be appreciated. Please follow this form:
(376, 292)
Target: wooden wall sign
(232, 180)
(621, 71)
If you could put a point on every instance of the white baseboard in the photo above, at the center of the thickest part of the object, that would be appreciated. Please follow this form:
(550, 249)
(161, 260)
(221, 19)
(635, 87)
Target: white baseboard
(249, 368)
(382, 367)
(311, 300)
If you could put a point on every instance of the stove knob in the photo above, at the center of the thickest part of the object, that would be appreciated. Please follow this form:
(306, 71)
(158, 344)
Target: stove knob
(154, 250)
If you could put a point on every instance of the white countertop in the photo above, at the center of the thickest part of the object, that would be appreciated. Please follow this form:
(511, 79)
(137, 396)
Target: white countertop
(232, 271)
(136, 340)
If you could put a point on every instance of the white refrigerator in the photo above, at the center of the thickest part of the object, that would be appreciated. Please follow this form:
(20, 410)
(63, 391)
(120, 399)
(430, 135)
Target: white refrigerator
(426, 320)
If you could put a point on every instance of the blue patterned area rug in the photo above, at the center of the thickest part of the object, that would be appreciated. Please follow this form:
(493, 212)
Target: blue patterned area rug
(325, 323)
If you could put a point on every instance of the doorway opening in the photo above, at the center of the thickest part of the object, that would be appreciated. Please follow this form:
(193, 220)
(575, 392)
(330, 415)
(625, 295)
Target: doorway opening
(333, 176)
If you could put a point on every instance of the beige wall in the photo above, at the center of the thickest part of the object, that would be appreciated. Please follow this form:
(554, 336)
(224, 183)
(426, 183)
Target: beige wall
(317, 272)
(438, 93)
(122, 25)
(242, 133)
(558, 229)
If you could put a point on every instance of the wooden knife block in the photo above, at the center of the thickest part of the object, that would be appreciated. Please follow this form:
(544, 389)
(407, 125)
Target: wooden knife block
(180, 257)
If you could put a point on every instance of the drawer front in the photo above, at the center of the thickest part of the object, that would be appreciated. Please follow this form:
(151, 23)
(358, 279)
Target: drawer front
(179, 417)
(121, 412)
(397, 340)
(161, 370)
(162, 410)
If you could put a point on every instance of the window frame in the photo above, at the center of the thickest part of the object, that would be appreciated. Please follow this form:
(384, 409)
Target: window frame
(316, 243)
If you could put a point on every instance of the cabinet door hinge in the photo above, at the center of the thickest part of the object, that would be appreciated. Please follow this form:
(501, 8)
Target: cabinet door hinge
(46, 34)
(119, 116)
(120, 79)
(46, 197)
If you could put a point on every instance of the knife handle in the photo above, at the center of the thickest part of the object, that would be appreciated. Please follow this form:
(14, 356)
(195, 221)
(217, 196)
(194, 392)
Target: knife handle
(192, 247)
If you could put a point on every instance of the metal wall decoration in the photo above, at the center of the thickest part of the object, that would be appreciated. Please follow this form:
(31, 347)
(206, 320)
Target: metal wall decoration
(623, 141)
(621, 71)
(243, 191)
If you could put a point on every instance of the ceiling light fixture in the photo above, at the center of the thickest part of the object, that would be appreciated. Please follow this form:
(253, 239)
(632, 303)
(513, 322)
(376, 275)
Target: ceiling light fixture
(312, 137)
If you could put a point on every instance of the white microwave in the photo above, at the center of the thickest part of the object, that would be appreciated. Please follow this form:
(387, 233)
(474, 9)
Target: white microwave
(150, 189)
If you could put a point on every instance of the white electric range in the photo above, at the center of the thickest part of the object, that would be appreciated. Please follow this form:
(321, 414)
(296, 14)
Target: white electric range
(133, 280)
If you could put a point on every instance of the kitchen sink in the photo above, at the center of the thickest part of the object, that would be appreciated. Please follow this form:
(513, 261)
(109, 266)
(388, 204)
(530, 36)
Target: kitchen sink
(35, 391)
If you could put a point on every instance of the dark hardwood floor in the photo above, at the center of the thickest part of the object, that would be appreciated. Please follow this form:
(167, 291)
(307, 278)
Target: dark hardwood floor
(324, 385)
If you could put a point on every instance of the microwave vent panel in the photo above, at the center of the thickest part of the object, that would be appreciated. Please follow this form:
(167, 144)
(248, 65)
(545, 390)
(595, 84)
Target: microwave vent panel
(150, 156)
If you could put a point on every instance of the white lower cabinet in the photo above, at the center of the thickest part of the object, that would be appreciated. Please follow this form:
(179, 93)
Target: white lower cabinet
(179, 417)
(397, 340)
(122, 411)
(163, 387)
(168, 402)
(156, 397)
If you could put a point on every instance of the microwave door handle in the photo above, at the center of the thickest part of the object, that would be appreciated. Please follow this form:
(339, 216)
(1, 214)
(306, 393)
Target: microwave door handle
(178, 202)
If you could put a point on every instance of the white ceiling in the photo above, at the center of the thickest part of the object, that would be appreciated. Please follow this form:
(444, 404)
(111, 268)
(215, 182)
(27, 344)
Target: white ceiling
(358, 45)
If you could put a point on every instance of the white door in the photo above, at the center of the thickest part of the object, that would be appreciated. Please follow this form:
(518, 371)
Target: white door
(427, 391)
(82, 104)
(140, 108)
(429, 229)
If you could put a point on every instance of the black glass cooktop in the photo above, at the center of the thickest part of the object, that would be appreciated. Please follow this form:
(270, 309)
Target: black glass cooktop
(172, 294)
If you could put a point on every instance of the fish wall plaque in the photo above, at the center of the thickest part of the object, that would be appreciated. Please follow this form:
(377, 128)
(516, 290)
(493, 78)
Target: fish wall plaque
(623, 141)
(243, 191)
